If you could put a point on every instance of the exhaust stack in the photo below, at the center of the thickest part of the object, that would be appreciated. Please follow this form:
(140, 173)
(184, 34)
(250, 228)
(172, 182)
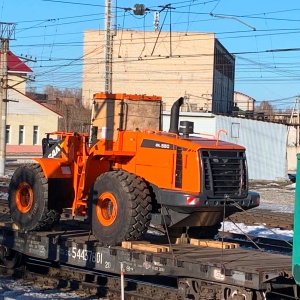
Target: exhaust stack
(174, 121)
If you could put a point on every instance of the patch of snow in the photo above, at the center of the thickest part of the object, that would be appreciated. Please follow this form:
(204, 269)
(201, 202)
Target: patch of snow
(3, 195)
(291, 186)
(14, 290)
(258, 230)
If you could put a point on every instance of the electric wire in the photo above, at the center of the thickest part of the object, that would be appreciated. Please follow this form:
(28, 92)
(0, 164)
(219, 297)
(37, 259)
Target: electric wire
(180, 6)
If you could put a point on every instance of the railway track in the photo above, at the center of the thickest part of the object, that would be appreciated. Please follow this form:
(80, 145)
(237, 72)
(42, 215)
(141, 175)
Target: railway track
(268, 218)
(90, 284)
(261, 243)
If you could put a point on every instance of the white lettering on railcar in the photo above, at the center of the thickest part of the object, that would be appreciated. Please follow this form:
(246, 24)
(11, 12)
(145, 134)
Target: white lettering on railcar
(218, 275)
(86, 255)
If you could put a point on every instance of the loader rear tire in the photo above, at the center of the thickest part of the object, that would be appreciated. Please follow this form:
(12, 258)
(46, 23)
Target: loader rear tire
(28, 199)
(121, 207)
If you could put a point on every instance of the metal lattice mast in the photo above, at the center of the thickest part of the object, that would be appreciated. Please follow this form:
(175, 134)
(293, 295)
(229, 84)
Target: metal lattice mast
(7, 30)
(109, 33)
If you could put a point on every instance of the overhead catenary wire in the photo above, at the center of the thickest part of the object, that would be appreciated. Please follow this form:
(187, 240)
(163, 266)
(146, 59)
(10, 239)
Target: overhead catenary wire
(181, 8)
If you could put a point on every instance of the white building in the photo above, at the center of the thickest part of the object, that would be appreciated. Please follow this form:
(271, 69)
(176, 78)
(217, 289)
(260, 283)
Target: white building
(265, 142)
(27, 120)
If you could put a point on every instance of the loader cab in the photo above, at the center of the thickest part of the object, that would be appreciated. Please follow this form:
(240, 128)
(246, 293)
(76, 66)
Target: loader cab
(112, 113)
(47, 144)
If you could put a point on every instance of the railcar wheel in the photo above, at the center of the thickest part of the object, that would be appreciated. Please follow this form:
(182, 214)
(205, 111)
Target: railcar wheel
(121, 207)
(12, 259)
(28, 199)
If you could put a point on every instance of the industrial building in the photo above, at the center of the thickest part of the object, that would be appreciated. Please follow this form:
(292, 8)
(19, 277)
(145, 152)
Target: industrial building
(195, 65)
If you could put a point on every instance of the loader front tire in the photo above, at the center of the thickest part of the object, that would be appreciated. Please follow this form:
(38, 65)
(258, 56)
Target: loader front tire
(28, 199)
(121, 207)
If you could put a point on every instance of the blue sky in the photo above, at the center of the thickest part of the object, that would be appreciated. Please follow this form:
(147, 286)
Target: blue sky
(267, 59)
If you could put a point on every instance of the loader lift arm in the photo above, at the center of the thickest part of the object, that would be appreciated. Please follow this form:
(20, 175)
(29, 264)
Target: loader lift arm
(82, 163)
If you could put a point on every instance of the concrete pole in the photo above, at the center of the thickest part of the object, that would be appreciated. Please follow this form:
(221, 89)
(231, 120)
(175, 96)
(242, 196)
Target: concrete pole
(3, 104)
(7, 30)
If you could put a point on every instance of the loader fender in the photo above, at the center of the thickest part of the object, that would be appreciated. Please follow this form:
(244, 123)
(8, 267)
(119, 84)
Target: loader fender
(55, 168)
(60, 182)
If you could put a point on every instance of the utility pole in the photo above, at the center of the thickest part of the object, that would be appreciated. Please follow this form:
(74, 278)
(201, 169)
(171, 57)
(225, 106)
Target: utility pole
(109, 35)
(110, 32)
(6, 32)
(297, 122)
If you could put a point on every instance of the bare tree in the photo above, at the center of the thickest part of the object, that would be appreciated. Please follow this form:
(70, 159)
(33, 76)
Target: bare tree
(72, 93)
(52, 92)
(68, 103)
(31, 89)
(265, 107)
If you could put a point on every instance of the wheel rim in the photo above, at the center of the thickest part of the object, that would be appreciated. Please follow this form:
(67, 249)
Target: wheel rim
(24, 197)
(106, 209)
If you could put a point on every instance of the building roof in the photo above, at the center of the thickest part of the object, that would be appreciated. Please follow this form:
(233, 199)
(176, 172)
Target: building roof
(16, 65)
(239, 93)
(17, 95)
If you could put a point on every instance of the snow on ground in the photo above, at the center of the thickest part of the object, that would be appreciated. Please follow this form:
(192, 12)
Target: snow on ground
(11, 289)
(258, 230)
(3, 195)
(274, 197)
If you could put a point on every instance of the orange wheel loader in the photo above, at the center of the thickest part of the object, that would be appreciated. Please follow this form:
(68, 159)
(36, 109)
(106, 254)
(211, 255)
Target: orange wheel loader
(128, 173)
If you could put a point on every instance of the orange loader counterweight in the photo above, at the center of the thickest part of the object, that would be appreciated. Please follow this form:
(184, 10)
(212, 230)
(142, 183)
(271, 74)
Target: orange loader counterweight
(128, 172)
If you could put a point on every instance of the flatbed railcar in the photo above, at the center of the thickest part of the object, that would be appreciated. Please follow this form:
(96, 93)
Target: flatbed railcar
(227, 273)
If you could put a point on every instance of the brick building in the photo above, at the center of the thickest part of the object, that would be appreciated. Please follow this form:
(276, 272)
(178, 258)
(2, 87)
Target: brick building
(194, 65)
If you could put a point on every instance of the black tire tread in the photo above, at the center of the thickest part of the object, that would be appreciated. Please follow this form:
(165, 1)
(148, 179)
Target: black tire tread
(49, 217)
(140, 202)
(139, 205)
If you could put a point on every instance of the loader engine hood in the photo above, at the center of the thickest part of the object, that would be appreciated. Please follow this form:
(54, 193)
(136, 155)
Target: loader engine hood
(212, 143)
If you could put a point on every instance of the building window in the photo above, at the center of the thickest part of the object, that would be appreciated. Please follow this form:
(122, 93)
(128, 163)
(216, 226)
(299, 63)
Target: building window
(7, 134)
(35, 135)
(21, 134)
(235, 130)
